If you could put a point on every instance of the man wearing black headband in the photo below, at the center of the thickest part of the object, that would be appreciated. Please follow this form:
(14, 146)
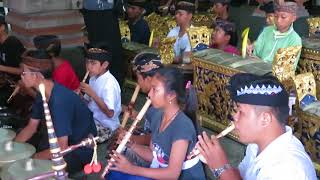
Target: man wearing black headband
(273, 152)
(139, 28)
(182, 47)
(72, 120)
(102, 93)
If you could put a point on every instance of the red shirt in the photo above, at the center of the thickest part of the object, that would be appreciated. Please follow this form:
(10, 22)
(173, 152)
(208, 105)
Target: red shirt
(65, 75)
(228, 49)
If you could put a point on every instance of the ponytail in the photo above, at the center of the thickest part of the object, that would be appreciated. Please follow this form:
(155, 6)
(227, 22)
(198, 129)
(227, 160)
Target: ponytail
(191, 105)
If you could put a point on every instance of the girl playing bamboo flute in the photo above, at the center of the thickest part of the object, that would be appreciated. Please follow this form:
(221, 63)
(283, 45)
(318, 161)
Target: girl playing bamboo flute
(173, 134)
(145, 66)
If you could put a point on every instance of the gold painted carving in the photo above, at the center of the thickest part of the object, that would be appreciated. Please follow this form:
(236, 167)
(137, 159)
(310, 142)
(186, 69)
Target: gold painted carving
(305, 84)
(283, 65)
(166, 50)
(199, 35)
(314, 26)
(124, 30)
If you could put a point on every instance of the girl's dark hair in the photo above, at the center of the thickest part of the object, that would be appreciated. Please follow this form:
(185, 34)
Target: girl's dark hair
(172, 79)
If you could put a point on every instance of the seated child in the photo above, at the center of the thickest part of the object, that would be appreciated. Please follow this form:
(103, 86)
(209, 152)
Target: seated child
(182, 47)
(281, 35)
(224, 37)
(269, 10)
(145, 66)
(63, 72)
(102, 93)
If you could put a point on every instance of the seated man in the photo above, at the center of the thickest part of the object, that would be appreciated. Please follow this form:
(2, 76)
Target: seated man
(139, 28)
(72, 120)
(260, 121)
(282, 35)
(11, 50)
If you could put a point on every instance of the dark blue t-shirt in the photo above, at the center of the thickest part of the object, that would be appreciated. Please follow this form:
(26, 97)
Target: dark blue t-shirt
(181, 128)
(70, 115)
(139, 31)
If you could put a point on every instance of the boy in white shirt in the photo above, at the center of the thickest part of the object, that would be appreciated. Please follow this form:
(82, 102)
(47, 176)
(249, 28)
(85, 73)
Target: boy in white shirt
(103, 93)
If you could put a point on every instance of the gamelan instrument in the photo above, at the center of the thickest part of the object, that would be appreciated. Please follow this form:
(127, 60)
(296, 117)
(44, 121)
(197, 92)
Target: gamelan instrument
(130, 106)
(12, 151)
(25, 168)
(6, 135)
(128, 135)
(196, 152)
(58, 163)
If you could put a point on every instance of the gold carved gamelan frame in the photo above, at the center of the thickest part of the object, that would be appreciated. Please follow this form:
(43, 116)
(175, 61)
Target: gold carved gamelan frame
(210, 82)
(310, 124)
(310, 62)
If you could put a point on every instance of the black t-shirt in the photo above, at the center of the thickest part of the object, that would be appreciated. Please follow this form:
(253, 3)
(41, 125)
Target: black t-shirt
(140, 31)
(10, 52)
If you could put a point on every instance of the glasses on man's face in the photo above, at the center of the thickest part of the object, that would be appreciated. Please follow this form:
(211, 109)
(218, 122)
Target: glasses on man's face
(28, 72)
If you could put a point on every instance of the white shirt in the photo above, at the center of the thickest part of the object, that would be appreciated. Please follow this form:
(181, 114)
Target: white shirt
(284, 158)
(107, 88)
(182, 44)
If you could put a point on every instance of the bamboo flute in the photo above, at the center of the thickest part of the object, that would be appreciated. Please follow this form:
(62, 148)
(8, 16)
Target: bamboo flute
(15, 92)
(195, 152)
(130, 106)
(128, 135)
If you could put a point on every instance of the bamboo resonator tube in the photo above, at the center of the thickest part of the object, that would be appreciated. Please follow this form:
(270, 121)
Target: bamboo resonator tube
(128, 135)
(58, 163)
(129, 109)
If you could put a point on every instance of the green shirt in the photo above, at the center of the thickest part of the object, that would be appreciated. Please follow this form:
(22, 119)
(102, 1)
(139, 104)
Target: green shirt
(270, 40)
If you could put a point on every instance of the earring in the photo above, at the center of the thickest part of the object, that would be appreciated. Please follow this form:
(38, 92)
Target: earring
(170, 102)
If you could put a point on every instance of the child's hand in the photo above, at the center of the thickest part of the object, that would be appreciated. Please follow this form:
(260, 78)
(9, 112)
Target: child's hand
(250, 48)
(86, 89)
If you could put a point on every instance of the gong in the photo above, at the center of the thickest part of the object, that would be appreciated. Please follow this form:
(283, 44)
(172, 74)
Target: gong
(6, 135)
(25, 168)
(11, 151)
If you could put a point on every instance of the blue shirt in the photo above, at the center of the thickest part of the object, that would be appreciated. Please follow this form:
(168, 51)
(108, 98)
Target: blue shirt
(140, 31)
(98, 4)
(70, 115)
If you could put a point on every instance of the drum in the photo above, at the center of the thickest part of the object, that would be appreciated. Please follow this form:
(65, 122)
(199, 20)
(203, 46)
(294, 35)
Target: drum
(12, 151)
(25, 168)
(6, 135)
